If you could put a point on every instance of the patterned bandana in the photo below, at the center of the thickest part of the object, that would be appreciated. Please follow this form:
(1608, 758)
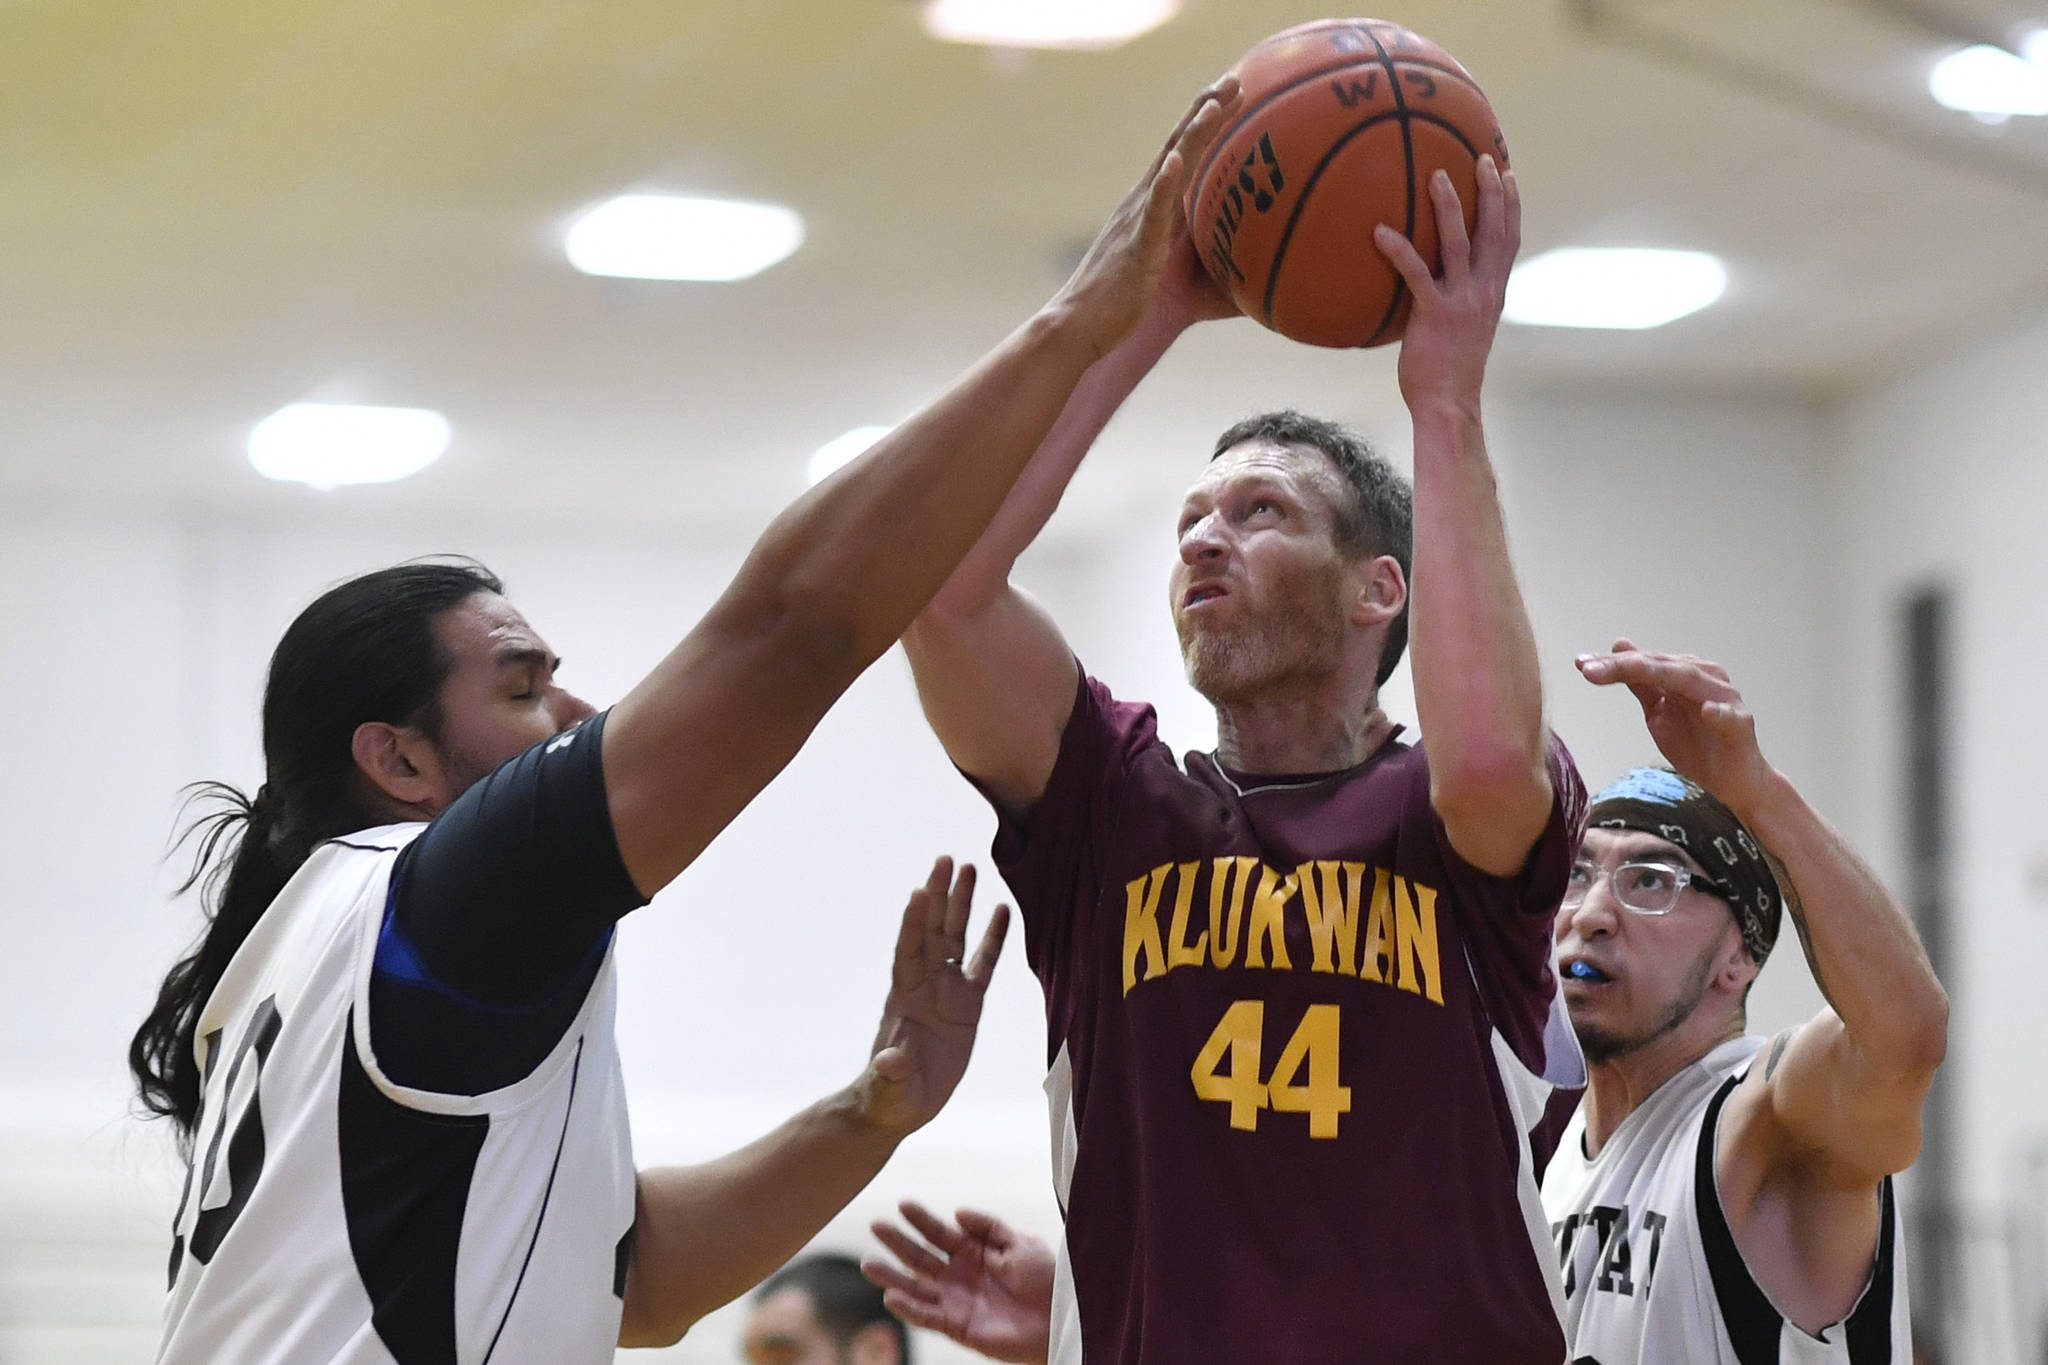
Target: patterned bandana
(1678, 810)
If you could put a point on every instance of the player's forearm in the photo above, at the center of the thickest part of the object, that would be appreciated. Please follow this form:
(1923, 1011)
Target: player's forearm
(707, 1234)
(1478, 689)
(852, 562)
(1865, 955)
(1036, 495)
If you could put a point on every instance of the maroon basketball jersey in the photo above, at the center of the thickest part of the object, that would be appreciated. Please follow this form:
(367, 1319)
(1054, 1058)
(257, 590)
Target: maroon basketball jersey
(1296, 1045)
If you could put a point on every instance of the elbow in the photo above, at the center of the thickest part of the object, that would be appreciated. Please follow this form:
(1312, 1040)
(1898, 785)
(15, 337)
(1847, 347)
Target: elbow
(1926, 1044)
(803, 629)
(1485, 782)
(634, 1335)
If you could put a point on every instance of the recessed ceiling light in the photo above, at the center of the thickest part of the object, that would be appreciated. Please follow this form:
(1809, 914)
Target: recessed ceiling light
(1991, 82)
(842, 450)
(681, 237)
(329, 444)
(1628, 288)
(1091, 25)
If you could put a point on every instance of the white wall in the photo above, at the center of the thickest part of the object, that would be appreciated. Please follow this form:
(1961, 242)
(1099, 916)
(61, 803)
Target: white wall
(752, 985)
(1942, 477)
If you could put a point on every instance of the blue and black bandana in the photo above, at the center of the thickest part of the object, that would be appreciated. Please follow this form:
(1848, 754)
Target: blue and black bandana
(1680, 811)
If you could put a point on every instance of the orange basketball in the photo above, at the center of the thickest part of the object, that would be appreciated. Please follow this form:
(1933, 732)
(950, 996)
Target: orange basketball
(1343, 122)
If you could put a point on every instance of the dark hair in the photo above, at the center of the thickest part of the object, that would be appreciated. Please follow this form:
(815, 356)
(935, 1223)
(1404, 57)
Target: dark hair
(365, 650)
(1377, 519)
(841, 1298)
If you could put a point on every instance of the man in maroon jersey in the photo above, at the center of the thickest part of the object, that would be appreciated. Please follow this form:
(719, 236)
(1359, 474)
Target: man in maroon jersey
(1298, 993)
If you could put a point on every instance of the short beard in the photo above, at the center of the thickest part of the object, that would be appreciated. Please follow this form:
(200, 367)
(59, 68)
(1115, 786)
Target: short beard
(1241, 662)
(1601, 1045)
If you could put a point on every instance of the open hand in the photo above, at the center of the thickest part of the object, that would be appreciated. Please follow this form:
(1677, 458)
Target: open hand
(1695, 715)
(1457, 309)
(934, 1004)
(980, 1282)
(1146, 238)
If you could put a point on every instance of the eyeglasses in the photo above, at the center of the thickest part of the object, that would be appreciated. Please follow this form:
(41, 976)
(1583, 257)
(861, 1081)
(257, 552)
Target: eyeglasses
(1647, 886)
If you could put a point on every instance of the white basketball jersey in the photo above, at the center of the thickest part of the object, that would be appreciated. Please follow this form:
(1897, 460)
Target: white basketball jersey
(1651, 1271)
(331, 1215)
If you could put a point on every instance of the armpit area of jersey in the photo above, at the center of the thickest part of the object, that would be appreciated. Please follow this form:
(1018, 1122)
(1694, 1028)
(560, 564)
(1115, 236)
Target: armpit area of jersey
(499, 916)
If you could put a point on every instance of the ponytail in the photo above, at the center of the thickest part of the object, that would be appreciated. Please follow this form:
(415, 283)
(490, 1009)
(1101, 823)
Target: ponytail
(364, 651)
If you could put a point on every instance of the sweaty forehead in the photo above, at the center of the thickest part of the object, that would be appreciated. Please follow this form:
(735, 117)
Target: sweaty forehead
(485, 625)
(1296, 466)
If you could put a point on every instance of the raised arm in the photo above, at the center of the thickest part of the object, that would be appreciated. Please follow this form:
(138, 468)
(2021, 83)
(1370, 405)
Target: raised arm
(704, 1235)
(838, 576)
(1478, 692)
(994, 673)
(1833, 1106)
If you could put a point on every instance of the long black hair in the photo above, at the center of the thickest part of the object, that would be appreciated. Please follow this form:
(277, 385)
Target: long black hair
(365, 650)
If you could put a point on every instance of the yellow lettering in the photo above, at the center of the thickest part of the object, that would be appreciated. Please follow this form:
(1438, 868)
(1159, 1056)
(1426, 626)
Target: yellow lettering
(1269, 922)
(1415, 927)
(1179, 952)
(1312, 1048)
(1378, 960)
(1332, 915)
(1141, 926)
(1234, 873)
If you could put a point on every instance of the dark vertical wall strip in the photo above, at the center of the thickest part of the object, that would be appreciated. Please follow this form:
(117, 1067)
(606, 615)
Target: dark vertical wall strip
(1929, 697)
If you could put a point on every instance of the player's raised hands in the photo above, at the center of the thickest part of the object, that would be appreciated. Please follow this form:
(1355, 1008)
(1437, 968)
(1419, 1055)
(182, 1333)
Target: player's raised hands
(978, 1281)
(934, 1004)
(1695, 715)
(1146, 237)
(1458, 305)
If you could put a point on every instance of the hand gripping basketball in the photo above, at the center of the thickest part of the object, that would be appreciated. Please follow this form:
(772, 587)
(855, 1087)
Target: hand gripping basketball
(1344, 124)
(1122, 270)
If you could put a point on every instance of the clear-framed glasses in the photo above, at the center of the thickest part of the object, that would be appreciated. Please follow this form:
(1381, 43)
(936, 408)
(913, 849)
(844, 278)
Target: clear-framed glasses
(1648, 886)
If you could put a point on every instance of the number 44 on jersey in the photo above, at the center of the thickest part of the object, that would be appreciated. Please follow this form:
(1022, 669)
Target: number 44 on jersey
(1311, 1050)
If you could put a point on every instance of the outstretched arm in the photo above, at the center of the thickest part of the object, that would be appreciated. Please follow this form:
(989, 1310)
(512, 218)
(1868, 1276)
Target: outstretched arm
(838, 577)
(978, 1281)
(994, 673)
(1478, 691)
(1832, 1106)
(706, 1234)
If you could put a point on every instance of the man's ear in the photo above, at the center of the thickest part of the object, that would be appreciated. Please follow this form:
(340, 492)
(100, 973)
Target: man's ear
(398, 762)
(874, 1344)
(1739, 968)
(1382, 591)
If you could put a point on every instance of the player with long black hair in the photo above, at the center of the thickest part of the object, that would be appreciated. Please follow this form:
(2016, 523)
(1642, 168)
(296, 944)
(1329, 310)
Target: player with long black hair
(391, 1054)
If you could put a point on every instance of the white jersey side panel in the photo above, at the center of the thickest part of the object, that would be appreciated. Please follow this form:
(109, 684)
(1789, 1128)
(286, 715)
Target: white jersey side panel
(1650, 1276)
(1063, 1340)
(333, 1216)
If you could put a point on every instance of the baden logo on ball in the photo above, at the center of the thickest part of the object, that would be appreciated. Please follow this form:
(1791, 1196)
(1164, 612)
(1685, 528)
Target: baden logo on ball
(1342, 124)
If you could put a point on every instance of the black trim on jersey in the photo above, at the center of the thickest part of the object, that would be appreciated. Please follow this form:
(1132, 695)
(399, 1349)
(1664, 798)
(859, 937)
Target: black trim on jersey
(1869, 1326)
(540, 1220)
(622, 1261)
(1754, 1326)
(405, 1180)
(498, 920)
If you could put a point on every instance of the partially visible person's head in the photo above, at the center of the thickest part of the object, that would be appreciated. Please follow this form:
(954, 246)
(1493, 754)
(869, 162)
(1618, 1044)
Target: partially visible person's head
(387, 698)
(1671, 910)
(1294, 558)
(820, 1310)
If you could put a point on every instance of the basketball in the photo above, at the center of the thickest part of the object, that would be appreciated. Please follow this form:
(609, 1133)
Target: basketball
(1342, 124)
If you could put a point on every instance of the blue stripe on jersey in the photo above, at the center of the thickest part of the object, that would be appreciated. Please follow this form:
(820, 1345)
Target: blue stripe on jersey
(397, 959)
